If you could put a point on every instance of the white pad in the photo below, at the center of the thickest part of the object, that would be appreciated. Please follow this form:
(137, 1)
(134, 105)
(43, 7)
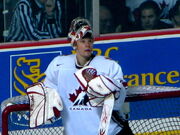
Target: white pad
(106, 115)
(103, 85)
(41, 104)
(99, 88)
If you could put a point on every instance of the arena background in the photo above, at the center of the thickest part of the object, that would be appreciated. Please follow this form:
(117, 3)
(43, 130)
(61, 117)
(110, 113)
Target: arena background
(146, 58)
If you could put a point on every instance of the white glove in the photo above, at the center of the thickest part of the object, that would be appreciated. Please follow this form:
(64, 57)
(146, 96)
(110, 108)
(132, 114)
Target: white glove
(98, 86)
(101, 87)
(42, 106)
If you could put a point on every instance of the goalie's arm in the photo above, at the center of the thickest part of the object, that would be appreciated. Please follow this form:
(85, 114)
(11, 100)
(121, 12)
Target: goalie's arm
(117, 75)
(115, 72)
(100, 86)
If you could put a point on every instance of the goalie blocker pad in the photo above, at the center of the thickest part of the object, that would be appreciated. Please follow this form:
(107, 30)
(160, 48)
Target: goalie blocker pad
(99, 86)
(102, 91)
(42, 107)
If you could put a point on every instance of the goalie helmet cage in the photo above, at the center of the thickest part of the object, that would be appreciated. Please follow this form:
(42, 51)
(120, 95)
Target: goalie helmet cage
(153, 111)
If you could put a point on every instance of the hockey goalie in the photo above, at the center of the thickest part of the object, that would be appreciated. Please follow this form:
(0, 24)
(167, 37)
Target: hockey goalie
(101, 91)
(90, 88)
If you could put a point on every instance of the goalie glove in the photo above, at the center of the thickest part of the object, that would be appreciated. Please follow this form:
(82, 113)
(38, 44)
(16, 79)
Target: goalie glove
(97, 86)
(101, 87)
(42, 107)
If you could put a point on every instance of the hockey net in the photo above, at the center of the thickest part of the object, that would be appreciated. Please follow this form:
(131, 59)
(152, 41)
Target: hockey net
(154, 110)
(15, 119)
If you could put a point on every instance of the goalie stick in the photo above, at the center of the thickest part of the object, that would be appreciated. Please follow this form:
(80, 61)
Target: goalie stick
(106, 115)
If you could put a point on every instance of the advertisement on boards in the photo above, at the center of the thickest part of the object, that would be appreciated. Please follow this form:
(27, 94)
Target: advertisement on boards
(144, 61)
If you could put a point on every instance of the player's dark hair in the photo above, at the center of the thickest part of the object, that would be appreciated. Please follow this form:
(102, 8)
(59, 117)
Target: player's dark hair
(88, 35)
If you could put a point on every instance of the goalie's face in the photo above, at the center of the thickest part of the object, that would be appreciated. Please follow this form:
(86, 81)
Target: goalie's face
(84, 48)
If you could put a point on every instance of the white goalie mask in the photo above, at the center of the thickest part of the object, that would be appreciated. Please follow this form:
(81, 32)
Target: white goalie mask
(78, 29)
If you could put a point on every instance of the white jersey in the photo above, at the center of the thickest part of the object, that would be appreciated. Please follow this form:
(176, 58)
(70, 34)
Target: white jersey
(79, 118)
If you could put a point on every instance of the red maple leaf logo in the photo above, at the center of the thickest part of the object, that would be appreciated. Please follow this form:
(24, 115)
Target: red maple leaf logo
(72, 97)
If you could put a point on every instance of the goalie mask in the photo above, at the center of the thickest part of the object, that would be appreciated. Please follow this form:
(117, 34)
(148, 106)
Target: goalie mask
(79, 28)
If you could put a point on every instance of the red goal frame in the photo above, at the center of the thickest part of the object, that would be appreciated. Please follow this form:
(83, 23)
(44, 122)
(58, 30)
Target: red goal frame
(130, 98)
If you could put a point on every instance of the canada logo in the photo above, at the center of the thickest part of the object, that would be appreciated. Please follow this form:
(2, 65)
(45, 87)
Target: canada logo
(79, 97)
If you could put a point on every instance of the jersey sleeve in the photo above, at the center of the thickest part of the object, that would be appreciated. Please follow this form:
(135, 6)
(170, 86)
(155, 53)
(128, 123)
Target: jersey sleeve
(116, 71)
(117, 74)
(52, 71)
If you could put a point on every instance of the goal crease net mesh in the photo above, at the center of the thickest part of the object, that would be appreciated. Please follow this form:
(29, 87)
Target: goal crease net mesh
(154, 110)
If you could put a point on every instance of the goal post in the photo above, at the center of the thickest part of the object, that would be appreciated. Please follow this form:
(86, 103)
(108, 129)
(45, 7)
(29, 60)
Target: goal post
(15, 119)
(10, 109)
(154, 110)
